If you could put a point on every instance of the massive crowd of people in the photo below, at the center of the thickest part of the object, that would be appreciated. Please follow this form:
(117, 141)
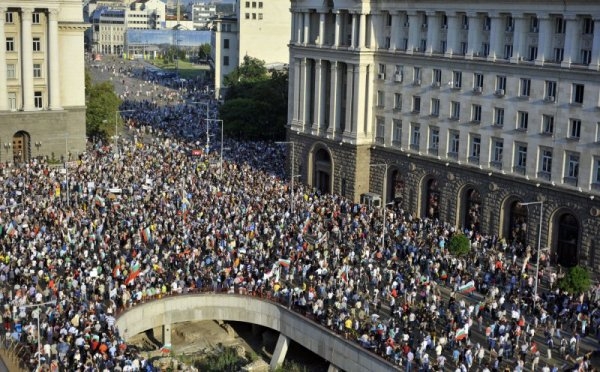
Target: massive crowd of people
(150, 219)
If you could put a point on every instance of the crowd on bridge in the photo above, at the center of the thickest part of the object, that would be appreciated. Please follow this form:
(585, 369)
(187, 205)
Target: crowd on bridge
(145, 219)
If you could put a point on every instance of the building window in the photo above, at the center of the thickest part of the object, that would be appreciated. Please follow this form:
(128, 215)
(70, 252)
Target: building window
(247, 16)
(247, 4)
(547, 124)
(525, 87)
(598, 131)
(475, 146)
(225, 43)
(260, 16)
(12, 100)
(455, 110)
(443, 46)
(415, 138)
(597, 170)
(417, 75)
(260, 5)
(560, 25)
(572, 165)
(521, 159)
(11, 71)
(423, 45)
(463, 48)
(37, 100)
(398, 101)
(523, 120)
(533, 52)
(501, 83)
(437, 77)
(550, 90)
(416, 104)
(533, 24)
(508, 51)
(253, 15)
(586, 56)
(588, 26)
(478, 81)
(37, 70)
(559, 54)
(454, 145)
(9, 17)
(397, 131)
(35, 18)
(485, 49)
(574, 128)
(380, 131)
(254, 4)
(546, 161)
(435, 107)
(499, 116)
(381, 68)
(497, 150)
(434, 138)
(457, 79)
(380, 98)
(37, 44)
(225, 60)
(577, 93)
(476, 113)
(10, 44)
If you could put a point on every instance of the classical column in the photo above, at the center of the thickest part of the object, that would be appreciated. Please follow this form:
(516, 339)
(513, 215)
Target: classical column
(53, 60)
(294, 96)
(433, 33)
(334, 101)
(474, 35)
(299, 28)
(303, 93)
(321, 37)
(354, 26)
(3, 82)
(496, 37)
(519, 38)
(362, 30)
(318, 98)
(306, 39)
(27, 59)
(572, 39)
(595, 63)
(413, 32)
(338, 26)
(349, 98)
(544, 39)
(452, 46)
(395, 32)
(358, 104)
(280, 350)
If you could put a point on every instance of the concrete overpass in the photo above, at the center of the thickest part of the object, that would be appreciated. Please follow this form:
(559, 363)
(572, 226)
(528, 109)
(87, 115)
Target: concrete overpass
(341, 354)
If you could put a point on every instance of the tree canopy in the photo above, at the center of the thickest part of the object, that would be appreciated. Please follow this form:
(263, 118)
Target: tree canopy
(459, 245)
(256, 101)
(102, 103)
(577, 280)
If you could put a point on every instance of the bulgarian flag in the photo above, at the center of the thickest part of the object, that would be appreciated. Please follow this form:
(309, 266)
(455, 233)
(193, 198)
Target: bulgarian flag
(146, 234)
(460, 334)
(467, 288)
(10, 230)
(285, 263)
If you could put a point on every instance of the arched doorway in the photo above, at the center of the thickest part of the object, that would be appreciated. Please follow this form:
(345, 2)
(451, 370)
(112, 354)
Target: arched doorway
(397, 189)
(322, 171)
(432, 198)
(21, 145)
(472, 209)
(567, 240)
(517, 223)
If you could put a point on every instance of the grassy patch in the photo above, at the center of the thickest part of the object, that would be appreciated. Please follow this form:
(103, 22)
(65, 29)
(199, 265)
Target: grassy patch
(187, 70)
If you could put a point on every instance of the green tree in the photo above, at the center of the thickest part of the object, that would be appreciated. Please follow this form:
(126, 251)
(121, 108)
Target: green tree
(102, 103)
(256, 102)
(576, 280)
(459, 245)
(204, 52)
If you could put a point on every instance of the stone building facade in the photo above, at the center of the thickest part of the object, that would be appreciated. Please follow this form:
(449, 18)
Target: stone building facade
(42, 88)
(457, 113)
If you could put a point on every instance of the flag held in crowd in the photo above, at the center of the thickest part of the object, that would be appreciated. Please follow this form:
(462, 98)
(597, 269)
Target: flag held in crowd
(460, 334)
(285, 263)
(467, 288)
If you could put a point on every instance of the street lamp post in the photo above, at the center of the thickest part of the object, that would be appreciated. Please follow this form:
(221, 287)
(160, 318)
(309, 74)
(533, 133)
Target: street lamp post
(37, 306)
(539, 247)
(207, 120)
(116, 126)
(220, 121)
(293, 144)
(383, 196)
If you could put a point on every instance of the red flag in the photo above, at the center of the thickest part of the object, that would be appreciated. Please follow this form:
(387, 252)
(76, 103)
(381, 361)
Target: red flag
(132, 276)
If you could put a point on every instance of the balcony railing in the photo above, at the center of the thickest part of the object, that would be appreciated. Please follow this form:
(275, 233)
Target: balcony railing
(543, 175)
(571, 181)
(519, 169)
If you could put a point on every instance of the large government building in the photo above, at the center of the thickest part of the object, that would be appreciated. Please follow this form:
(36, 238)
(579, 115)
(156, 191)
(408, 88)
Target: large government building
(460, 111)
(42, 95)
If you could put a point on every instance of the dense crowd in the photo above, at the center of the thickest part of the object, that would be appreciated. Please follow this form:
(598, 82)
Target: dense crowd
(117, 230)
